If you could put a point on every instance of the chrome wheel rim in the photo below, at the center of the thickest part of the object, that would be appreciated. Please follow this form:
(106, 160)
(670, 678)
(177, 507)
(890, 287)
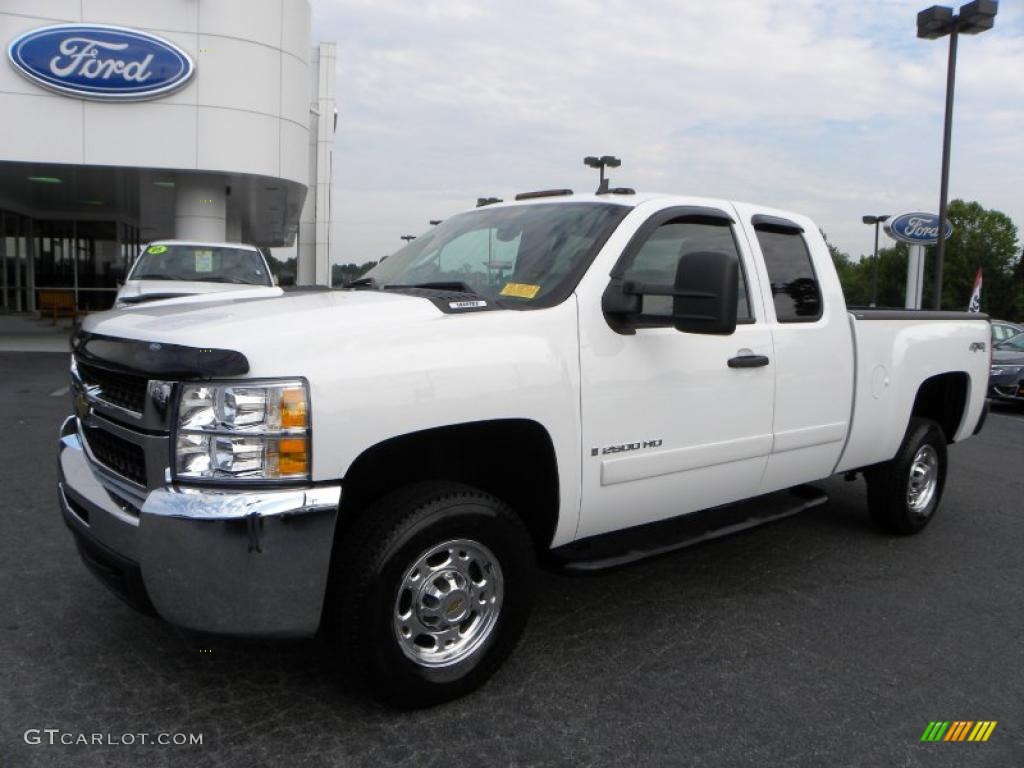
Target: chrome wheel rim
(448, 603)
(923, 480)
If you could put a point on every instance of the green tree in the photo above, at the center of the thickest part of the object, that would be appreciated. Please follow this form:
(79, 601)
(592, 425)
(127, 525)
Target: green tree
(982, 238)
(892, 275)
(342, 274)
(855, 279)
(284, 270)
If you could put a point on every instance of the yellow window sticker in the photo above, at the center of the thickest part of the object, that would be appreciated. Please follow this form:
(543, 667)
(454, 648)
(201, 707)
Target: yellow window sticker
(157, 249)
(204, 261)
(520, 290)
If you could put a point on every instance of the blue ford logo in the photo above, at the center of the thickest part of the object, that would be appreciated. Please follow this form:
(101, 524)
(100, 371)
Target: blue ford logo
(95, 61)
(916, 228)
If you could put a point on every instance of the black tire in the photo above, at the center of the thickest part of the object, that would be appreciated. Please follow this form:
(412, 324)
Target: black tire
(889, 484)
(373, 562)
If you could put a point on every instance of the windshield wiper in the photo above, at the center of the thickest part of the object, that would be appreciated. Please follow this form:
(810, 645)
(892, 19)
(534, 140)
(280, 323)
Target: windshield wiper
(157, 276)
(441, 285)
(362, 282)
(219, 279)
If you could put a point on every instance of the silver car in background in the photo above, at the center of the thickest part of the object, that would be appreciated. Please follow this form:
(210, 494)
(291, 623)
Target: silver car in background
(1006, 378)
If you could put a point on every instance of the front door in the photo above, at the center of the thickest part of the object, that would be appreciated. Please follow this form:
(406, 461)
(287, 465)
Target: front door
(668, 425)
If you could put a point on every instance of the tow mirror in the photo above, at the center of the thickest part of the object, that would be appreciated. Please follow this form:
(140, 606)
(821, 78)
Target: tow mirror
(706, 293)
(704, 297)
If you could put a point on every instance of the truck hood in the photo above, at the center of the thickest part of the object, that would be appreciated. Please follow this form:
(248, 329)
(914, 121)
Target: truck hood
(136, 292)
(274, 331)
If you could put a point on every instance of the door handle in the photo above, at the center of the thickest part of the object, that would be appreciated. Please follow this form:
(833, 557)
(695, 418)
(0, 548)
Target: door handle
(748, 361)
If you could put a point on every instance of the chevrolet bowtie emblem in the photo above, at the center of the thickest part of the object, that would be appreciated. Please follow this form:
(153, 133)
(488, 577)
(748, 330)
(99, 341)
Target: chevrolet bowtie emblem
(81, 406)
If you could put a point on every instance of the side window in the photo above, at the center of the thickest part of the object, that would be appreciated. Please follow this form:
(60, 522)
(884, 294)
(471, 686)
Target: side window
(795, 289)
(658, 257)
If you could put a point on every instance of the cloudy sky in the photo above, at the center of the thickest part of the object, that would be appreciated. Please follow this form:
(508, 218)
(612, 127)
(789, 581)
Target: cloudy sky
(829, 107)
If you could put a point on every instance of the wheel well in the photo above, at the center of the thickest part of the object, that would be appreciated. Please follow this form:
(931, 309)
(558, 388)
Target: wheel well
(943, 399)
(513, 459)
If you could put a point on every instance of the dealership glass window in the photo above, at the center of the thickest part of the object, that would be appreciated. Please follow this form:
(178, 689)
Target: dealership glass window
(658, 258)
(89, 258)
(795, 289)
(15, 231)
(54, 254)
(5, 292)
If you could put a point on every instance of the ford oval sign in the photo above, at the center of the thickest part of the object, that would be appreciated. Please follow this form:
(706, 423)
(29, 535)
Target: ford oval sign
(96, 61)
(916, 228)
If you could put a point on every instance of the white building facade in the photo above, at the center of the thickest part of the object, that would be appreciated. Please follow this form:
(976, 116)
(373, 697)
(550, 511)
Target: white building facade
(126, 122)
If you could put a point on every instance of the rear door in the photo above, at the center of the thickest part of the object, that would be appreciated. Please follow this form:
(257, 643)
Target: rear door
(813, 343)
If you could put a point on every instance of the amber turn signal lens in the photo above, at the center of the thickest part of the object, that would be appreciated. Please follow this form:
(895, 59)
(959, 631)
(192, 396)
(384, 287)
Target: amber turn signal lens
(292, 456)
(293, 409)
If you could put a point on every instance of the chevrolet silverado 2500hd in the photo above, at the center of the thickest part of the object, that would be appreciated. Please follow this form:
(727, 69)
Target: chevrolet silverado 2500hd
(574, 379)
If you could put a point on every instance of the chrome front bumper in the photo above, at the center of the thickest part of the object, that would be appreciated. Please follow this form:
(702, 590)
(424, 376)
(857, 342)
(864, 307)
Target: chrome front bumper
(229, 561)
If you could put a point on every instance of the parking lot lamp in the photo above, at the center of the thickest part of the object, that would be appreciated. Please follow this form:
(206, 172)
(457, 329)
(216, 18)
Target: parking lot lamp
(877, 221)
(933, 23)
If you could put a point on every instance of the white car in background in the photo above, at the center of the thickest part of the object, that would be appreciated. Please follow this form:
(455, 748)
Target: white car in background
(189, 271)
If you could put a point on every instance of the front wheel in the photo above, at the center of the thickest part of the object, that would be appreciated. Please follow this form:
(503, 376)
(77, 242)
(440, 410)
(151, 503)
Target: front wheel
(904, 493)
(430, 592)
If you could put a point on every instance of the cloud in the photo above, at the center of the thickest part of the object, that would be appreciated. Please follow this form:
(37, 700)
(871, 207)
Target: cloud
(834, 109)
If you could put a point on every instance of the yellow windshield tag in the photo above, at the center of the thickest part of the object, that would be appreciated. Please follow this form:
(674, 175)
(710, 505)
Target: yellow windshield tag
(520, 290)
(156, 249)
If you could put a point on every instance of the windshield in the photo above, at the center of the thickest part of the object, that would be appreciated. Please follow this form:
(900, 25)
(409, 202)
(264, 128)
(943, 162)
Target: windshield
(201, 263)
(522, 256)
(1015, 343)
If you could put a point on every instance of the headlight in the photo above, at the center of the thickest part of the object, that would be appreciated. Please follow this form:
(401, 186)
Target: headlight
(245, 431)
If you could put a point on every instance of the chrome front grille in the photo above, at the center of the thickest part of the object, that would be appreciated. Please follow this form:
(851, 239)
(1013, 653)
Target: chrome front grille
(120, 456)
(121, 389)
(124, 422)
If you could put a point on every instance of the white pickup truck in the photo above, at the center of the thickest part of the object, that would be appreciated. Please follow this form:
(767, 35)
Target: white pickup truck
(574, 380)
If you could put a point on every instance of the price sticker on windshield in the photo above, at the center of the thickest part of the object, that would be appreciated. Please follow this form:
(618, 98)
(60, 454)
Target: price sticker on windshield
(520, 290)
(204, 261)
(155, 249)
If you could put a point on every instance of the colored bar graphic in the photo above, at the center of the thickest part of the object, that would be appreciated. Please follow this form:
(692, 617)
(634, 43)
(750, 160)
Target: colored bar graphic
(935, 730)
(958, 730)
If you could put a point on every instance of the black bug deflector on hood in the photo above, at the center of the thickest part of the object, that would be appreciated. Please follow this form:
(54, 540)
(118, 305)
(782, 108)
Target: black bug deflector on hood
(157, 359)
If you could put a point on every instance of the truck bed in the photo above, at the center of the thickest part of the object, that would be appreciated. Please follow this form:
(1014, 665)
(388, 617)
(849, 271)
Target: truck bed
(896, 352)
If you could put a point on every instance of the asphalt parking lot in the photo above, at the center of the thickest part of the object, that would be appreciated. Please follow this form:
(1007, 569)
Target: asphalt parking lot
(810, 642)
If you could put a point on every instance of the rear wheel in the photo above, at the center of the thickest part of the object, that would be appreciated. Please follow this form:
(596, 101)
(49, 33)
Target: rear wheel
(904, 493)
(431, 590)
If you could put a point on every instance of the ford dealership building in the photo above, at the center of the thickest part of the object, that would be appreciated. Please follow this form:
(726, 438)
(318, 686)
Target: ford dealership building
(126, 122)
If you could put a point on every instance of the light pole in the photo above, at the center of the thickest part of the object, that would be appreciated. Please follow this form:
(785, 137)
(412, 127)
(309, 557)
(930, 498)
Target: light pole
(435, 222)
(408, 238)
(933, 23)
(877, 221)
